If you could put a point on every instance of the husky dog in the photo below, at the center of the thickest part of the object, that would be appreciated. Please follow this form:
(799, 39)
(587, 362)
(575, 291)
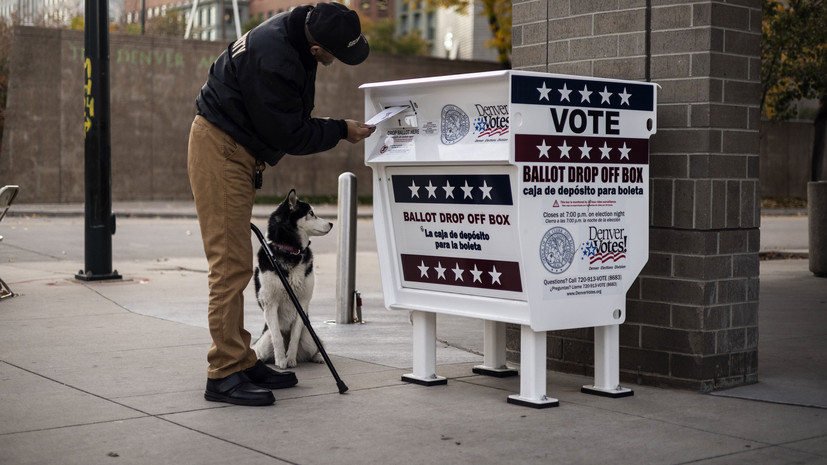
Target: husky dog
(285, 339)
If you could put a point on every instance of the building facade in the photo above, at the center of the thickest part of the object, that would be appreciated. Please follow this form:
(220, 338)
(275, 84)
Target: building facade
(451, 35)
(41, 12)
(374, 10)
(213, 20)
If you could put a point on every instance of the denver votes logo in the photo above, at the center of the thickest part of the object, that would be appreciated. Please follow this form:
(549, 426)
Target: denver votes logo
(604, 244)
(454, 125)
(557, 250)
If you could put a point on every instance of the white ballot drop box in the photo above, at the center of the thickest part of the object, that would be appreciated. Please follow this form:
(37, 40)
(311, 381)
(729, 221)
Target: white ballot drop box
(512, 197)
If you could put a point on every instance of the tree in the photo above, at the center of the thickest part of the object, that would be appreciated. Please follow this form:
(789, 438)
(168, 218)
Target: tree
(499, 22)
(498, 13)
(382, 38)
(253, 22)
(172, 23)
(794, 64)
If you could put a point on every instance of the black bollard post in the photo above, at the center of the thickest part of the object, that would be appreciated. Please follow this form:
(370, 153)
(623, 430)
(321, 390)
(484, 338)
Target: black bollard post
(99, 223)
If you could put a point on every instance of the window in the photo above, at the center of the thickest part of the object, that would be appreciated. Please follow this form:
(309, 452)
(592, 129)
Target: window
(431, 35)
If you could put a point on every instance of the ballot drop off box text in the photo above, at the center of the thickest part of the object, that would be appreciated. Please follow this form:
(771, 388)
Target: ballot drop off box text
(512, 197)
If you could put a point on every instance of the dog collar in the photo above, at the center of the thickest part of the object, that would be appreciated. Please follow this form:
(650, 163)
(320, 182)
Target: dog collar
(289, 249)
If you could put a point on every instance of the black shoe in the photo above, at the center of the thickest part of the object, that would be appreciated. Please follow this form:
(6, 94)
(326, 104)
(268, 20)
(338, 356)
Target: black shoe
(266, 377)
(237, 389)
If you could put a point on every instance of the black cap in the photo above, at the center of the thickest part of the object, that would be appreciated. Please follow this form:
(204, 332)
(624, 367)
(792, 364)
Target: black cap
(338, 30)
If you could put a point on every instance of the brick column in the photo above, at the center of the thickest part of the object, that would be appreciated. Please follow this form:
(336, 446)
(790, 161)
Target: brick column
(692, 315)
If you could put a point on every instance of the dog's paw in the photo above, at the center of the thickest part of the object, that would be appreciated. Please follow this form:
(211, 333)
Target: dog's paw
(264, 351)
(281, 362)
(318, 358)
(291, 362)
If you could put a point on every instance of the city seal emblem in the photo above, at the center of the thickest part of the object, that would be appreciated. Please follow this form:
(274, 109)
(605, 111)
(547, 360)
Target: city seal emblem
(557, 250)
(455, 124)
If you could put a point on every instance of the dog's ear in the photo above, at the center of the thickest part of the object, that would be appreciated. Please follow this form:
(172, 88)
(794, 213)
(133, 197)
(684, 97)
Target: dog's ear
(292, 199)
(283, 210)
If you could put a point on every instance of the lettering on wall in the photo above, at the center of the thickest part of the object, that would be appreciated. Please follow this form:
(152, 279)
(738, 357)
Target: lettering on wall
(141, 57)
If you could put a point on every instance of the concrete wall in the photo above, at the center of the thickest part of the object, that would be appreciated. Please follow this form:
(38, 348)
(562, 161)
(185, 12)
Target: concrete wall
(154, 82)
(692, 314)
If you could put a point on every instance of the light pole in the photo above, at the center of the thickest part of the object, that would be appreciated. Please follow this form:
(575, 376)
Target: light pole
(99, 224)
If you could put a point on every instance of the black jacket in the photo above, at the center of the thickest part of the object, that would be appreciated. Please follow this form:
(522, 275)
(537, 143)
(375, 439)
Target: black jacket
(261, 91)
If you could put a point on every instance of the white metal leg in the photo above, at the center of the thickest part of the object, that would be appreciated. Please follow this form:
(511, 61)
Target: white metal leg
(493, 362)
(191, 19)
(607, 364)
(532, 371)
(424, 350)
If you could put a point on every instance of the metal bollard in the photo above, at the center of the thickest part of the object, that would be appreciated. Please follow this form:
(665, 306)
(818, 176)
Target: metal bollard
(346, 260)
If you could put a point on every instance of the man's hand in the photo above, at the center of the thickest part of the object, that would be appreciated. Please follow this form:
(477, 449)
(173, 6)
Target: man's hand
(357, 131)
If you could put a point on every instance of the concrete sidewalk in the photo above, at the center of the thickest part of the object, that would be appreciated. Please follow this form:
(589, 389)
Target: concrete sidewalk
(114, 371)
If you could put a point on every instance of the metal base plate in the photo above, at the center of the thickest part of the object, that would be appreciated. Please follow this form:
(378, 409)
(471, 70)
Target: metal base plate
(495, 372)
(613, 393)
(435, 381)
(545, 402)
(89, 276)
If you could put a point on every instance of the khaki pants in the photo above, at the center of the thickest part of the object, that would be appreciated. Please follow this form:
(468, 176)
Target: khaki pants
(221, 174)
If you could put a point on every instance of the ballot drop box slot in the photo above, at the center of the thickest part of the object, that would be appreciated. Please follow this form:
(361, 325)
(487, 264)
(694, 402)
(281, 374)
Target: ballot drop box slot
(512, 197)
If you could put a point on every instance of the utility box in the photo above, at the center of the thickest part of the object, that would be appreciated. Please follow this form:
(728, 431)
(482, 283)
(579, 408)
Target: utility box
(512, 197)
